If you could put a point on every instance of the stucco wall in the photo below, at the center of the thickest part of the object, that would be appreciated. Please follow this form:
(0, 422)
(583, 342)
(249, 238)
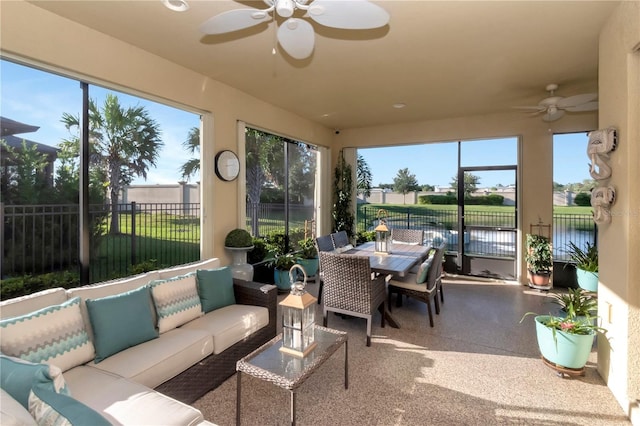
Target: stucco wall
(619, 242)
(32, 35)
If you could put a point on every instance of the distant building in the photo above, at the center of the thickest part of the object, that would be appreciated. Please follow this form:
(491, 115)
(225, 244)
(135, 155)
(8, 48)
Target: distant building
(8, 129)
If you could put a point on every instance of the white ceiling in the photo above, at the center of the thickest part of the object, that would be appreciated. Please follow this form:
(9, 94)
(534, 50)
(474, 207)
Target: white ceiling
(441, 58)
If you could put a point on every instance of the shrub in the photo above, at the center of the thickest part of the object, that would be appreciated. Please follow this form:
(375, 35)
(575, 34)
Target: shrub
(437, 199)
(582, 199)
(238, 238)
(259, 251)
(28, 284)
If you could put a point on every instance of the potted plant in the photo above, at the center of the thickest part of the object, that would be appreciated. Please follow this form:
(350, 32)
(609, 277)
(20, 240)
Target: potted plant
(539, 260)
(282, 263)
(576, 303)
(308, 256)
(586, 263)
(565, 342)
(239, 242)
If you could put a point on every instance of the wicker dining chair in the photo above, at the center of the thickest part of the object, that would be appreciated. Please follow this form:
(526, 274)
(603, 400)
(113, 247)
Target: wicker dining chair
(351, 289)
(323, 243)
(341, 241)
(407, 236)
(423, 285)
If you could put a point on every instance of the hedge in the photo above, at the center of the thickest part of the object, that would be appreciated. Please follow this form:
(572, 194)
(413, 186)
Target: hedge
(484, 200)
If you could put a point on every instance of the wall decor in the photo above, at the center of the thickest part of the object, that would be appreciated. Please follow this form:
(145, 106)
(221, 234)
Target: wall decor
(601, 143)
(602, 197)
(227, 165)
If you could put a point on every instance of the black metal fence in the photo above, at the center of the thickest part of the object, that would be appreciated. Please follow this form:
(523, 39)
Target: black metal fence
(45, 238)
(443, 224)
(579, 229)
(265, 218)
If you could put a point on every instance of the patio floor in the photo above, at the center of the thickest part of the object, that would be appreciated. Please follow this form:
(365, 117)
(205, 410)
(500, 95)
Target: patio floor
(477, 366)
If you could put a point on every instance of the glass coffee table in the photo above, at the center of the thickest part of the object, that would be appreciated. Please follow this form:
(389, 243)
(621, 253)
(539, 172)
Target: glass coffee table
(287, 371)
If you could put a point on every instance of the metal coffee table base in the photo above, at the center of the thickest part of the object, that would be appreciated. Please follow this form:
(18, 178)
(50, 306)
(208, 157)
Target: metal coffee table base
(289, 372)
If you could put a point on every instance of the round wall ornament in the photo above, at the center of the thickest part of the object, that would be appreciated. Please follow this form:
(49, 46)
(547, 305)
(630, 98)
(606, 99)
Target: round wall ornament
(227, 165)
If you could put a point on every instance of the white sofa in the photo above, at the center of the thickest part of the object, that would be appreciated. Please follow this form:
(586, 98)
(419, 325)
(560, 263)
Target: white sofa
(151, 382)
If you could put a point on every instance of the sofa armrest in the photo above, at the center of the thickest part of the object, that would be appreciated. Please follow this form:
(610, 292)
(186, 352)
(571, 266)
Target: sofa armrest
(257, 294)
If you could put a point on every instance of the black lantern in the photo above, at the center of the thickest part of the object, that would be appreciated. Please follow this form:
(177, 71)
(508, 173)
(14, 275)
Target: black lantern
(383, 235)
(298, 318)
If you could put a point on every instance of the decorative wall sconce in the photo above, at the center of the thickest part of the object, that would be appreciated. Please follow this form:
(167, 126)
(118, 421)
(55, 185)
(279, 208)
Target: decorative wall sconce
(602, 197)
(601, 143)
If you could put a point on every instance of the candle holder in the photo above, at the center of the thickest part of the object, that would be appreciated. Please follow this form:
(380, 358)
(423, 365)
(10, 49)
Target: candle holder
(298, 317)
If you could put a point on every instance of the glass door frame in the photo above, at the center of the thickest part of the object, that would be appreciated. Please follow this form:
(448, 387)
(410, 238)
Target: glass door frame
(463, 267)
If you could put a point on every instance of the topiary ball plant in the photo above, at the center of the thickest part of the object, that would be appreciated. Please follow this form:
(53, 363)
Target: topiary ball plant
(238, 238)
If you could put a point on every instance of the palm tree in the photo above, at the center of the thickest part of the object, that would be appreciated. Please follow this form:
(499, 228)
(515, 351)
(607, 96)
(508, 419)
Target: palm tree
(192, 144)
(125, 142)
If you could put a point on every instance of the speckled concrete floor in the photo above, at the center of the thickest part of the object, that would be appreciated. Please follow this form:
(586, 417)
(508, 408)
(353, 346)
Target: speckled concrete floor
(478, 366)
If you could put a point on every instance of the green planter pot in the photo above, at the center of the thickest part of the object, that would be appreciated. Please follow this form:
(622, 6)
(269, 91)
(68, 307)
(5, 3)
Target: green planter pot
(564, 349)
(587, 280)
(310, 266)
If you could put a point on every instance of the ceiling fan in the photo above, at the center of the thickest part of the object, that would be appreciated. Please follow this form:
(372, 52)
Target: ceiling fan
(296, 35)
(554, 107)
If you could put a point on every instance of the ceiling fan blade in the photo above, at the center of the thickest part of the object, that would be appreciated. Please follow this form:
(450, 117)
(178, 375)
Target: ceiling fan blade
(348, 14)
(576, 100)
(553, 116)
(589, 106)
(297, 38)
(234, 20)
(537, 108)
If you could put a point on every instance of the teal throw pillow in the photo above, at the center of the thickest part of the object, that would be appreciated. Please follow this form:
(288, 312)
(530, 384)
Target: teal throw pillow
(423, 271)
(51, 408)
(215, 287)
(121, 321)
(18, 376)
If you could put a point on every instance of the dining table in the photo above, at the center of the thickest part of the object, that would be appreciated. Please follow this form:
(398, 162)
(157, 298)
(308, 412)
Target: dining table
(398, 262)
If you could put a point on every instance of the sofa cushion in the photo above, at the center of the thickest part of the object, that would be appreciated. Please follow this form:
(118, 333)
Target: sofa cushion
(111, 288)
(55, 335)
(18, 376)
(121, 321)
(12, 413)
(156, 361)
(51, 408)
(215, 287)
(122, 401)
(230, 324)
(25, 304)
(176, 300)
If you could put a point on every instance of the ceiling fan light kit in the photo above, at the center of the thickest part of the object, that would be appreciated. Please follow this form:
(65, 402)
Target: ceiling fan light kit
(554, 107)
(296, 35)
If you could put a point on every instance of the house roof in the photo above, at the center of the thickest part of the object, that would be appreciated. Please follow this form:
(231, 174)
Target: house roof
(442, 59)
(16, 142)
(12, 127)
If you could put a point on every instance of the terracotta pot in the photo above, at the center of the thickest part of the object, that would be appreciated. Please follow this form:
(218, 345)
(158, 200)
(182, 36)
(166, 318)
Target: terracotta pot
(540, 278)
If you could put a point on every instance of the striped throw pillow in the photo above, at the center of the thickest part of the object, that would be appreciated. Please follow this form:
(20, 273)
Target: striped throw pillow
(176, 300)
(53, 335)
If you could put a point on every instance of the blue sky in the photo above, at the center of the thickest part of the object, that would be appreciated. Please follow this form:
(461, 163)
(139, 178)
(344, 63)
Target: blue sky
(39, 98)
(436, 164)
